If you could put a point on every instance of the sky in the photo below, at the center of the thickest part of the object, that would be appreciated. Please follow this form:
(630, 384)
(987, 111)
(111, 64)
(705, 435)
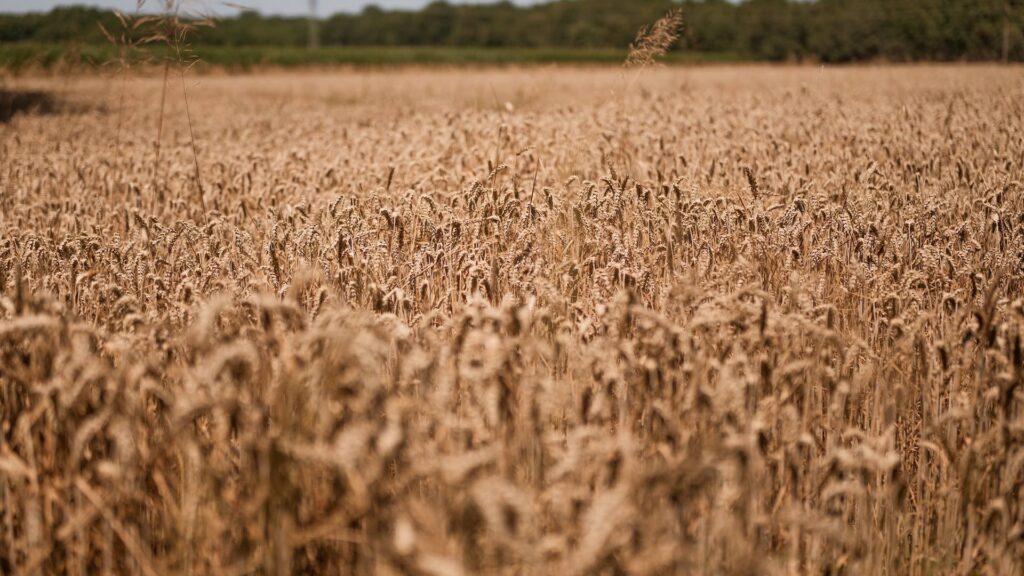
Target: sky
(326, 7)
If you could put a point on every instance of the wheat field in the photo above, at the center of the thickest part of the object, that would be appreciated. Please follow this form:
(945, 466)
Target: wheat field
(724, 320)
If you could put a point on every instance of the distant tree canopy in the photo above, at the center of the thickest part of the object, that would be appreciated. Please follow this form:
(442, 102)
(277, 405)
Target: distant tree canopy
(825, 30)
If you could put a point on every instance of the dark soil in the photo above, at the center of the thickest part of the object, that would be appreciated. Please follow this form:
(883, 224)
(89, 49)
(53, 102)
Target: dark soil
(14, 102)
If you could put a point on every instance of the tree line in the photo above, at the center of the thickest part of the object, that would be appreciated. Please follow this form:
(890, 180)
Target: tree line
(771, 30)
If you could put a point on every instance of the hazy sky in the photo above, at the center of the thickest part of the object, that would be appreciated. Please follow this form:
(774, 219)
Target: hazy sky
(265, 6)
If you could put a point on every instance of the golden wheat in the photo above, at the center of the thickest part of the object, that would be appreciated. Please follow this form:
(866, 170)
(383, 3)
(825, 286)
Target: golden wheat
(766, 321)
